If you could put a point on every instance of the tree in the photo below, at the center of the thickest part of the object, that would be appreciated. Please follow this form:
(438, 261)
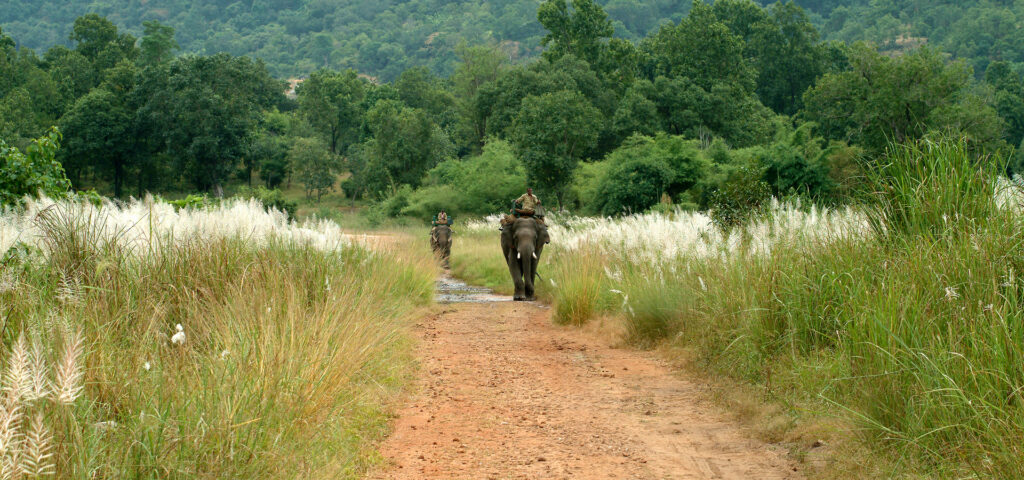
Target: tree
(313, 166)
(35, 172)
(332, 103)
(702, 49)
(1009, 99)
(158, 44)
(582, 32)
(634, 186)
(478, 66)
(405, 141)
(781, 44)
(883, 99)
(72, 73)
(98, 40)
(552, 133)
(98, 133)
(203, 109)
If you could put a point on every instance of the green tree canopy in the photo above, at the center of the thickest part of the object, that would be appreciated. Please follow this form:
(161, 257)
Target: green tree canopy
(332, 102)
(552, 133)
(883, 99)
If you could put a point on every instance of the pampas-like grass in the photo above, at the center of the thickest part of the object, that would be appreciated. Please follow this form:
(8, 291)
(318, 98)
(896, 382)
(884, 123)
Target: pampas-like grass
(18, 376)
(69, 370)
(39, 386)
(38, 457)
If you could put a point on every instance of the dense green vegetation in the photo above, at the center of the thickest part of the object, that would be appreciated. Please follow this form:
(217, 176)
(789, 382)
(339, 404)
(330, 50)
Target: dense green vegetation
(383, 39)
(296, 37)
(731, 97)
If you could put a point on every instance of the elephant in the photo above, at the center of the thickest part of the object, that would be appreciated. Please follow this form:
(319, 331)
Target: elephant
(522, 243)
(441, 243)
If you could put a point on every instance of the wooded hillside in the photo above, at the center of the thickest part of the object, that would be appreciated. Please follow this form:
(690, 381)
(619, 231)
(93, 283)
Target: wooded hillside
(384, 38)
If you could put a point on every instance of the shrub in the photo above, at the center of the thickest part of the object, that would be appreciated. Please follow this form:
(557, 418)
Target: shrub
(634, 186)
(270, 198)
(34, 172)
(740, 199)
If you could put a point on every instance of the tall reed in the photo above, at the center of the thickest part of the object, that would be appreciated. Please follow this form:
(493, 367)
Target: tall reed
(289, 344)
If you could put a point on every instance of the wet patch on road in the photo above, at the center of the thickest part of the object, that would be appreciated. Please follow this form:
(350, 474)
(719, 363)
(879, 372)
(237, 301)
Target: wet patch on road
(450, 290)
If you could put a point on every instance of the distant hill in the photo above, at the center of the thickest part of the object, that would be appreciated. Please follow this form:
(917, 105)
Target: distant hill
(384, 37)
(378, 37)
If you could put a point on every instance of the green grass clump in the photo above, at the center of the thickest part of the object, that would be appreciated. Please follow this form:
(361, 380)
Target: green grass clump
(289, 354)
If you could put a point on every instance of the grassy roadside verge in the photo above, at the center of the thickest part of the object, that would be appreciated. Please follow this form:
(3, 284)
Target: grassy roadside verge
(903, 336)
(289, 349)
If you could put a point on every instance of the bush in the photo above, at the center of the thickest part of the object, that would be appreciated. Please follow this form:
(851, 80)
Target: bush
(34, 172)
(788, 172)
(634, 186)
(479, 185)
(740, 199)
(270, 198)
(635, 175)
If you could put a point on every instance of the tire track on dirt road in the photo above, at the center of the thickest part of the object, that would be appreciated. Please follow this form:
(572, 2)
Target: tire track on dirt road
(504, 394)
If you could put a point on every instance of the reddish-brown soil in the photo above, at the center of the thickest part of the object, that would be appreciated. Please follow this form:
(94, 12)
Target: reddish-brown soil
(505, 394)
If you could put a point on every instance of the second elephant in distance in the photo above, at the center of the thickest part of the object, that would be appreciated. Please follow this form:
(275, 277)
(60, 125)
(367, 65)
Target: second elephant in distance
(521, 244)
(441, 243)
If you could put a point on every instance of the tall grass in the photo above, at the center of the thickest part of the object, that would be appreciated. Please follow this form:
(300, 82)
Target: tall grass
(291, 339)
(904, 316)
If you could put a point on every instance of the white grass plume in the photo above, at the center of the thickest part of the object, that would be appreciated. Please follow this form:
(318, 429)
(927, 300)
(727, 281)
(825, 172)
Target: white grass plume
(37, 456)
(69, 371)
(146, 225)
(10, 441)
(39, 386)
(17, 382)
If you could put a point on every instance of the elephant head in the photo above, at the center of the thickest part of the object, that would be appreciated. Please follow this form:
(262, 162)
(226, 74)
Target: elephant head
(522, 243)
(441, 242)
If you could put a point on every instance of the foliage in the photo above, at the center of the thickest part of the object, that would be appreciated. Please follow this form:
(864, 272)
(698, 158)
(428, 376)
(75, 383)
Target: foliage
(798, 164)
(205, 107)
(332, 103)
(296, 37)
(633, 186)
(640, 171)
(740, 199)
(313, 166)
(581, 32)
(883, 99)
(270, 199)
(98, 132)
(32, 173)
(552, 133)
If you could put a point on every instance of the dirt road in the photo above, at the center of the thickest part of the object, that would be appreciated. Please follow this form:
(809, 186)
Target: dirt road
(505, 394)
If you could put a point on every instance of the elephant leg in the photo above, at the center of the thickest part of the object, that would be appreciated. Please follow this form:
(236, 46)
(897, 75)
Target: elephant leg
(515, 268)
(529, 284)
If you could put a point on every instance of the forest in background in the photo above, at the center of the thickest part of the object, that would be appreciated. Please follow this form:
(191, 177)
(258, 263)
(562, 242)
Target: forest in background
(385, 38)
(720, 110)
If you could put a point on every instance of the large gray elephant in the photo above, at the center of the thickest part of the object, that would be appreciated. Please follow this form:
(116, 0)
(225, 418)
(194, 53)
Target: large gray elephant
(441, 243)
(522, 243)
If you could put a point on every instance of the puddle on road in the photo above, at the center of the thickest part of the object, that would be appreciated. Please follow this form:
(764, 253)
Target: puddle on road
(450, 290)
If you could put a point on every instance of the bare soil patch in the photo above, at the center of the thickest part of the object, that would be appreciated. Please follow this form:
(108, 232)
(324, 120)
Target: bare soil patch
(504, 394)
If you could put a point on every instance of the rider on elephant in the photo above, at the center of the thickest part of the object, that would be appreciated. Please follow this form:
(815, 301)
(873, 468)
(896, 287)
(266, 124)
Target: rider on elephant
(528, 202)
(527, 207)
(440, 219)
